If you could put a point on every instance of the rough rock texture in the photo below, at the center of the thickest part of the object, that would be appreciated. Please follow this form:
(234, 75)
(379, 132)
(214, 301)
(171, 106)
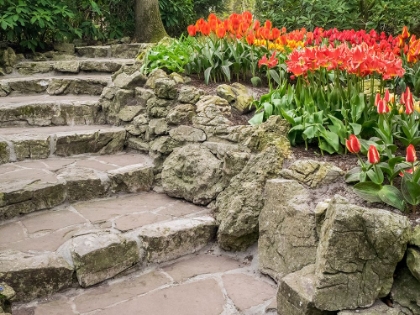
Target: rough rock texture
(34, 275)
(170, 240)
(240, 204)
(97, 257)
(237, 95)
(295, 294)
(288, 240)
(358, 251)
(406, 291)
(29, 68)
(7, 295)
(379, 308)
(67, 66)
(125, 81)
(192, 172)
(312, 173)
(166, 88)
(415, 236)
(413, 262)
(187, 133)
(132, 178)
(189, 94)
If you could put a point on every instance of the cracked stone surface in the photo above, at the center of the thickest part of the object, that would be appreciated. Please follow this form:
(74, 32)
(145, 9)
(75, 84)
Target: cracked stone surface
(33, 185)
(211, 282)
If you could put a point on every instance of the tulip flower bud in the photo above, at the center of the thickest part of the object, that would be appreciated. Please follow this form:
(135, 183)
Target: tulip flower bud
(411, 156)
(373, 155)
(353, 144)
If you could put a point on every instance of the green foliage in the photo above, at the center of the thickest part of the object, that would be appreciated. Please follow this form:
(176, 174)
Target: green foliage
(381, 15)
(176, 15)
(172, 57)
(34, 23)
(31, 23)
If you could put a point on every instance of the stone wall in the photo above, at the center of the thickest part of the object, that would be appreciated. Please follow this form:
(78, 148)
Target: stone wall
(199, 153)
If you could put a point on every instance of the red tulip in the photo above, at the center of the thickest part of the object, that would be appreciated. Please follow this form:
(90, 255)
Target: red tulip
(382, 107)
(353, 144)
(411, 156)
(373, 155)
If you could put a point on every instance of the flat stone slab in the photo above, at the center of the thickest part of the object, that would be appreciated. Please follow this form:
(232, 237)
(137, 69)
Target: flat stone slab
(211, 282)
(33, 185)
(46, 110)
(42, 142)
(91, 84)
(47, 230)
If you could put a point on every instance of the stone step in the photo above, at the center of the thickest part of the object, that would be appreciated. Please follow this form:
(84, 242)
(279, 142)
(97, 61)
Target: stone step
(34, 185)
(108, 65)
(129, 51)
(91, 84)
(98, 239)
(17, 144)
(46, 110)
(211, 282)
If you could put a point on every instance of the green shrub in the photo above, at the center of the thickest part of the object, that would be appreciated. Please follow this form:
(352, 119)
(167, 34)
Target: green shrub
(385, 15)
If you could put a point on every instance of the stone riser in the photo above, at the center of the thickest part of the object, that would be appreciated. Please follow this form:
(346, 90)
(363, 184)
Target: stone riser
(41, 143)
(92, 85)
(114, 51)
(72, 66)
(64, 113)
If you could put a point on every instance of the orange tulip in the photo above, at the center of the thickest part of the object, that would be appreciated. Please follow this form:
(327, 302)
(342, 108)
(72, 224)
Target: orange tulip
(373, 155)
(353, 144)
(405, 34)
(411, 156)
(192, 30)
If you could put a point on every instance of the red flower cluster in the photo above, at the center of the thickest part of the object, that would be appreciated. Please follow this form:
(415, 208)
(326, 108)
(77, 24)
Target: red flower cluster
(382, 104)
(360, 60)
(335, 37)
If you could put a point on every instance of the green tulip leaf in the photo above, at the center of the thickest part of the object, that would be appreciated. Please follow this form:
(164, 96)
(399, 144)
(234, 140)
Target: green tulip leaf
(392, 196)
(368, 191)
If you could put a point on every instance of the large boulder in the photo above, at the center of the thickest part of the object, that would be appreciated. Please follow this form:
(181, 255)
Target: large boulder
(288, 240)
(357, 254)
(240, 204)
(379, 308)
(192, 172)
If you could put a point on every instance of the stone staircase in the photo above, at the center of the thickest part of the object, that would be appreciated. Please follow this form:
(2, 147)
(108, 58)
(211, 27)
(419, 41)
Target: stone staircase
(76, 208)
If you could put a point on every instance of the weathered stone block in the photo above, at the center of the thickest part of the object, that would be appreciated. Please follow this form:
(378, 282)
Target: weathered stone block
(181, 114)
(166, 88)
(240, 204)
(189, 94)
(379, 308)
(99, 66)
(187, 134)
(98, 257)
(406, 291)
(413, 262)
(313, 173)
(170, 240)
(71, 66)
(34, 275)
(295, 294)
(94, 51)
(193, 173)
(288, 240)
(32, 148)
(129, 112)
(4, 152)
(29, 68)
(358, 251)
(132, 178)
(29, 85)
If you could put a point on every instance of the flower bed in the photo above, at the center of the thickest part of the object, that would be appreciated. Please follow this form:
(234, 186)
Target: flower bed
(328, 84)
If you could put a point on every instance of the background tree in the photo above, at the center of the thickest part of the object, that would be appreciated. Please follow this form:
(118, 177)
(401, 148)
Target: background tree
(149, 26)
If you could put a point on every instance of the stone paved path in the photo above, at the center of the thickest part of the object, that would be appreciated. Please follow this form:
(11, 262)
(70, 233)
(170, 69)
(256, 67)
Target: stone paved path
(211, 282)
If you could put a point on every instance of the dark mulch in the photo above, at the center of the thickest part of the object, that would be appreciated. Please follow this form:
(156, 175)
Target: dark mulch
(345, 162)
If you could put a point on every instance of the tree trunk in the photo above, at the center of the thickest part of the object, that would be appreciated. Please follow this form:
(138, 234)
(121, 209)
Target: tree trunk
(149, 26)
